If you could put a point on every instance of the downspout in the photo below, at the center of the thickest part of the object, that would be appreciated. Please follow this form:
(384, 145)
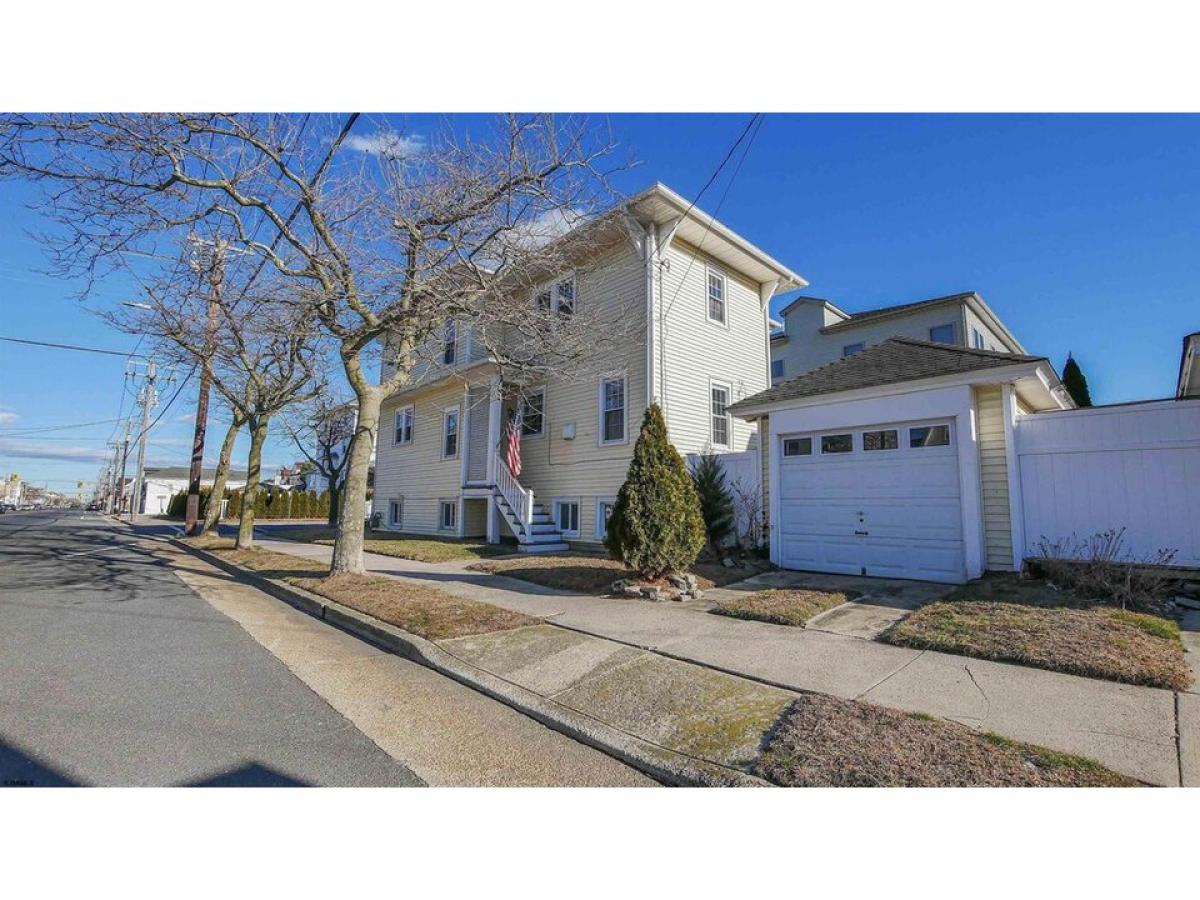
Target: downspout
(650, 252)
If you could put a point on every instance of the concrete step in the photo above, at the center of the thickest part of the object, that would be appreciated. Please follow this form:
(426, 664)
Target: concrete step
(545, 537)
(543, 548)
(543, 528)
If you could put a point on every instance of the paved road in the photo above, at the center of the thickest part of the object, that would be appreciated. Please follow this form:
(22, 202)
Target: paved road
(126, 662)
(112, 672)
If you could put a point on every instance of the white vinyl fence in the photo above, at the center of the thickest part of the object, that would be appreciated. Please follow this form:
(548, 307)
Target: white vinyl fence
(1135, 466)
(745, 486)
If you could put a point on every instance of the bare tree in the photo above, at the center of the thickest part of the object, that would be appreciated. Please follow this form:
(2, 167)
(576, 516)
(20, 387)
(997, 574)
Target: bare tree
(384, 252)
(322, 429)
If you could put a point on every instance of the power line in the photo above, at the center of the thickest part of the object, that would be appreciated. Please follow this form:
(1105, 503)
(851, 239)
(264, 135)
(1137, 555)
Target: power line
(66, 346)
(5, 432)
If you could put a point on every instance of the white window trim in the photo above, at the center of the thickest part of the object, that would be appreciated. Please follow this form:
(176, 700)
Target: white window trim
(855, 446)
(538, 434)
(399, 521)
(559, 501)
(450, 322)
(728, 388)
(443, 502)
(458, 431)
(552, 287)
(601, 525)
(412, 427)
(710, 270)
(611, 376)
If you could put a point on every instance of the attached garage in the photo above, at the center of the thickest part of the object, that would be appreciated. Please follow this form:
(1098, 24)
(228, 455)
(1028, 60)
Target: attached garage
(893, 462)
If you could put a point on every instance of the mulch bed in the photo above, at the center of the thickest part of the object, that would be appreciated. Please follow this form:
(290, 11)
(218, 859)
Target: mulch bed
(826, 742)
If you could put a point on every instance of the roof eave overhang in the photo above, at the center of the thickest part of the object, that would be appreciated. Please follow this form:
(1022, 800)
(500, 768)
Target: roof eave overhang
(1036, 384)
(660, 205)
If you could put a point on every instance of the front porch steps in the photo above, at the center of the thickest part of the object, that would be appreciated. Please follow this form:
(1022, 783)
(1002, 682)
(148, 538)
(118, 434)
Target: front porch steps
(542, 535)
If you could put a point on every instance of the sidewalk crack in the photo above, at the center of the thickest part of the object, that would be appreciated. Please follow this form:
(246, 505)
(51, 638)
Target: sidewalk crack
(891, 675)
(987, 710)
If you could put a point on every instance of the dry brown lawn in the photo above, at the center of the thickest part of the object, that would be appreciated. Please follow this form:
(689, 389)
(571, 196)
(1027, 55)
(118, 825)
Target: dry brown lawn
(423, 611)
(588, 573)
(421, 548)
(826, 742)
(782, 607)
(1023, 621)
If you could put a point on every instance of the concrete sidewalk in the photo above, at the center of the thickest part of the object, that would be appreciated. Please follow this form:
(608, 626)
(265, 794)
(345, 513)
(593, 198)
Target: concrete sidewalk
(1127, 728)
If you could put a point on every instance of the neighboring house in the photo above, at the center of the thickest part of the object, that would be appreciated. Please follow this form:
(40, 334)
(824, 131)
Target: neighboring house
(900, 460)
(698, 320)
(1189, 368)
(162, 484)
(816, 332)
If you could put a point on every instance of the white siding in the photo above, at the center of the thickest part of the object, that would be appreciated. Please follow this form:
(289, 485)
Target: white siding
(1135, 467)
(692, 352)
(993, 477)
(416, 472)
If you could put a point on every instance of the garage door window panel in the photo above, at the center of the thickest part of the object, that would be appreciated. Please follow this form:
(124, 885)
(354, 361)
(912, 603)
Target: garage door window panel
(888, 439)
(837, 443)
(797, 446)
(929, 436)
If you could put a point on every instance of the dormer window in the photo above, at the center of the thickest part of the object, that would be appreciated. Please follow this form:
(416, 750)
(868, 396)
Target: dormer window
(559, 297)
(942, 334)
(716, 296)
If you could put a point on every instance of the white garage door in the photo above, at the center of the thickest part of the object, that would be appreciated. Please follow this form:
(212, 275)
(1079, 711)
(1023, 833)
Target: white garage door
(881, 500)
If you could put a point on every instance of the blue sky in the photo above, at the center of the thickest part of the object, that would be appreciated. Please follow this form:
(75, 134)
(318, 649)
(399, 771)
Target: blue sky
(1081, 232)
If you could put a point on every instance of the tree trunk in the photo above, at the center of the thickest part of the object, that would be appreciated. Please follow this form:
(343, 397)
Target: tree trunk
(335, 494)
(212, 516)
(258, 437)
(348, 548)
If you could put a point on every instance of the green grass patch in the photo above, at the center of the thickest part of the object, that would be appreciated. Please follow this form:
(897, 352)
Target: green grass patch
(782, 607)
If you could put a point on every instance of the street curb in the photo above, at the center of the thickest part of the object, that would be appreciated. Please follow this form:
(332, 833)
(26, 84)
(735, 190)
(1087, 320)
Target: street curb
(662, 764)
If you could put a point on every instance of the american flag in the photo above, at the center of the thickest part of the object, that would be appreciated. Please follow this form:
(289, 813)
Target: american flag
(512, 454)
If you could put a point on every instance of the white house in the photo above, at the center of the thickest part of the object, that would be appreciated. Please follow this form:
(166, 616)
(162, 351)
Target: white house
(161, 485)
(691, 294)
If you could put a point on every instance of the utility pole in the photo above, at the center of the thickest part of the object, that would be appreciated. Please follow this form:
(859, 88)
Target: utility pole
(124, 460)
(148, 401)
(216, 275)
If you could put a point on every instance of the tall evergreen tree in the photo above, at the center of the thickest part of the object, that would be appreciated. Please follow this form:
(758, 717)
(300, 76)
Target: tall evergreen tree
(1075, 383)
(656, 526)
(716, 504)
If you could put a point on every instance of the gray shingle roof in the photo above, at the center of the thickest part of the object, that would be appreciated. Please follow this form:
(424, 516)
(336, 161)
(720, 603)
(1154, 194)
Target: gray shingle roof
(868, 315)
(895, 360)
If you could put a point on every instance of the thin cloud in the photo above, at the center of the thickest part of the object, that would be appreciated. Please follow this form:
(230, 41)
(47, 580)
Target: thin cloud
(34, 450)
(7, 417)
(387, 144)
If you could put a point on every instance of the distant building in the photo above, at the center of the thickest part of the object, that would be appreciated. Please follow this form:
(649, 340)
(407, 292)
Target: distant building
(162, 484)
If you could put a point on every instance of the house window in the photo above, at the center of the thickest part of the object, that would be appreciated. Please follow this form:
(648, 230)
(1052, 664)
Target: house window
(881, 440)
(604, 509)
(450, 433)
(449, 342)
(404, 426)
(797, 447)
(977, 339)
(448, 515)
(566, 517)
(565, 296)
(942, 334)
(533, 414)
(929, 436)
(612, 410)
(720, 414)
(395, 513)
(776, 369)
(716, 296)
(544, 301)
(837, 443)
(851, 349)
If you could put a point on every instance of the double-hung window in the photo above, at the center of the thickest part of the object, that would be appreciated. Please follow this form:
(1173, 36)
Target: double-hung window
(558, 297)
(533, 414)
(404, 426)
(448, 515)
(612, 410)
(719, 397)
(977, 338)
(716, 296)
(450, 342)
(566, 517)
(395, 513)
(450, 432)
(604, 508)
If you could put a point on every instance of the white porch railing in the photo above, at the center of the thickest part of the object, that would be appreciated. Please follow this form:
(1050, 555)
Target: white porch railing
(518, 497)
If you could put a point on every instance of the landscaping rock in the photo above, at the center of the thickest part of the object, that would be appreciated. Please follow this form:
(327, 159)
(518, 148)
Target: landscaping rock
(650, 592)
(685, 582)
